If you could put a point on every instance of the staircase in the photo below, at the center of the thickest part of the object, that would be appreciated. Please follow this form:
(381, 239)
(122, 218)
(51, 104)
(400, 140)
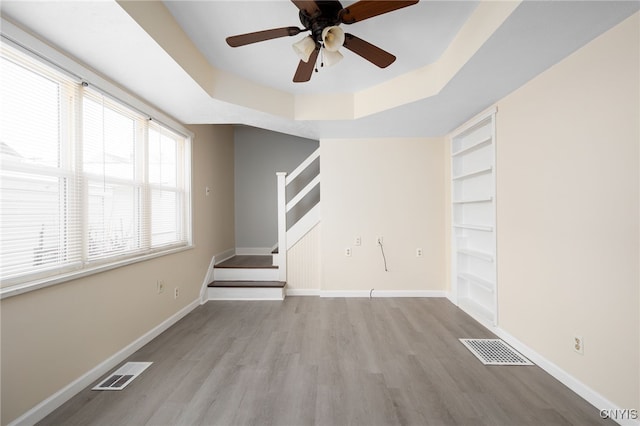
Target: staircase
(246, 278)
(243, 277)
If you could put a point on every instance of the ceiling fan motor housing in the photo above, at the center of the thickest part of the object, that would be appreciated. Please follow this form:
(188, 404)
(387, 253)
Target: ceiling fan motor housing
(327, 17)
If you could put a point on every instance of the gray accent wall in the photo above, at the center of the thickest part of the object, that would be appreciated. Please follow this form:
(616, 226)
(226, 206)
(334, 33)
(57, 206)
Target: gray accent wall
(259, 154)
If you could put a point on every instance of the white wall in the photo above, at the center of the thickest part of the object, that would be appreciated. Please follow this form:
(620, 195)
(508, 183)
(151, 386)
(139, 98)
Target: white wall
(259, 154)
(568, 218)
(52, 336)
(394, 188)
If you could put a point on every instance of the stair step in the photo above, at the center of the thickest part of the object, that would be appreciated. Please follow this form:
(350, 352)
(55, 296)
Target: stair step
(248, 284)
(246, 290)
(247, 262)
(246, 274)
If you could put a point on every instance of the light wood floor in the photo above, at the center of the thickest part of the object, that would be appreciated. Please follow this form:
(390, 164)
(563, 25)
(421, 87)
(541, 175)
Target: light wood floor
(308, 361)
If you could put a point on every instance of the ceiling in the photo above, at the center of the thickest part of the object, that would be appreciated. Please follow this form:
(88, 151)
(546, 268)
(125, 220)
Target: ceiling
(404, 33)
(454, 59)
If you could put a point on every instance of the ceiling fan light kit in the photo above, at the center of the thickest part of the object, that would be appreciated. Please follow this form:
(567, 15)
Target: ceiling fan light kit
(322, 19)
(330, 57)
(304, 48)
(332, 38)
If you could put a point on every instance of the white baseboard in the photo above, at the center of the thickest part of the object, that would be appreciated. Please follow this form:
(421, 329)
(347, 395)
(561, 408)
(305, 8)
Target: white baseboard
(449, 295)
(302, 292)
(584, 391)
(253, 251)
(47, 406)
(227, 254)
(382, 293)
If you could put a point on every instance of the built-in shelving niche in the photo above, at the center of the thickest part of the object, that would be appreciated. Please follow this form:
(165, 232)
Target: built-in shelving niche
(473, 214)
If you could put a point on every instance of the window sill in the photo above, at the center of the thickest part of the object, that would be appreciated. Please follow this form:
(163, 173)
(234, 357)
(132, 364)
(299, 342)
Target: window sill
(18, 289)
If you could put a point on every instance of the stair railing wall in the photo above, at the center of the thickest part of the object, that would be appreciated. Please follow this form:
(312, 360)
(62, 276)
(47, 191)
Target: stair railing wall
(286, 239)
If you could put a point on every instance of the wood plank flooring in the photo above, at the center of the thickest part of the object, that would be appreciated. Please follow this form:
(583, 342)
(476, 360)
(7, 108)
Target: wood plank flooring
(315, 361)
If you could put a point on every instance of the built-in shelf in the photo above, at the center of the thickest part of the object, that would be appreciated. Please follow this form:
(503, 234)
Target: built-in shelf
(477, 145)
(477, 254)
(473, 174)
(481, 282)
(473, 200)
(473, 218)
(474, 227)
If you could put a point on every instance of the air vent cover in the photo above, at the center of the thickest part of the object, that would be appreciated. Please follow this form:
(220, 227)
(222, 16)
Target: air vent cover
(495, 352)
(124, 375)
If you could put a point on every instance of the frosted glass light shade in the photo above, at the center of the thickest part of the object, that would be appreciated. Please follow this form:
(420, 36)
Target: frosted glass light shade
(332, 38)
(304, 48)
(331, 58)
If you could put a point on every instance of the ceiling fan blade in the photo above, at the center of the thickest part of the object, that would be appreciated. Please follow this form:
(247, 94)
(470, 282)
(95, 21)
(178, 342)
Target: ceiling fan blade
(309, 6)
(366, 9)
(244, 39)
(368, 51)
(305, 69)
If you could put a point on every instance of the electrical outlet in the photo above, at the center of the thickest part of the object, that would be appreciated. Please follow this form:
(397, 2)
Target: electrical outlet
(160, 286)
(176, 292)
(357, 241)
(379, 241)
(578, 344)
(347, 252)
(419, 252)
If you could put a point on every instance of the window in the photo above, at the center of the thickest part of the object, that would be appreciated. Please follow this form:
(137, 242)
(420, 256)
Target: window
(85, 181)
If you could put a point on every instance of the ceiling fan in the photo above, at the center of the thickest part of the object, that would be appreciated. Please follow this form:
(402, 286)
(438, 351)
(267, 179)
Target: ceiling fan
(322, 19)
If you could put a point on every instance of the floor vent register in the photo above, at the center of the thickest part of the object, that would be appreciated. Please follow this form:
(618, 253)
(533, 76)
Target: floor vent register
(495, 352)
(124, 375)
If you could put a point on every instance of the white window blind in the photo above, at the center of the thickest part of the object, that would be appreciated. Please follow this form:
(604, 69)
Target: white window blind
(84, 180)
(38, 183)
(113, 172)
(167, 156)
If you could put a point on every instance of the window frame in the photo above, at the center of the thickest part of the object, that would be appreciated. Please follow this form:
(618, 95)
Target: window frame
(48, 56)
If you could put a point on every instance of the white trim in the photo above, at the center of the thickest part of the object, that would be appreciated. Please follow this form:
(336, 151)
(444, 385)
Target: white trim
(254, 251)
(243, 293)
(246, 274)
(582, 390)
(47, 406)
(225, 255)
(282, 225)
(382, 293)
(303, 292)
(208, 277)
(451, 296)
